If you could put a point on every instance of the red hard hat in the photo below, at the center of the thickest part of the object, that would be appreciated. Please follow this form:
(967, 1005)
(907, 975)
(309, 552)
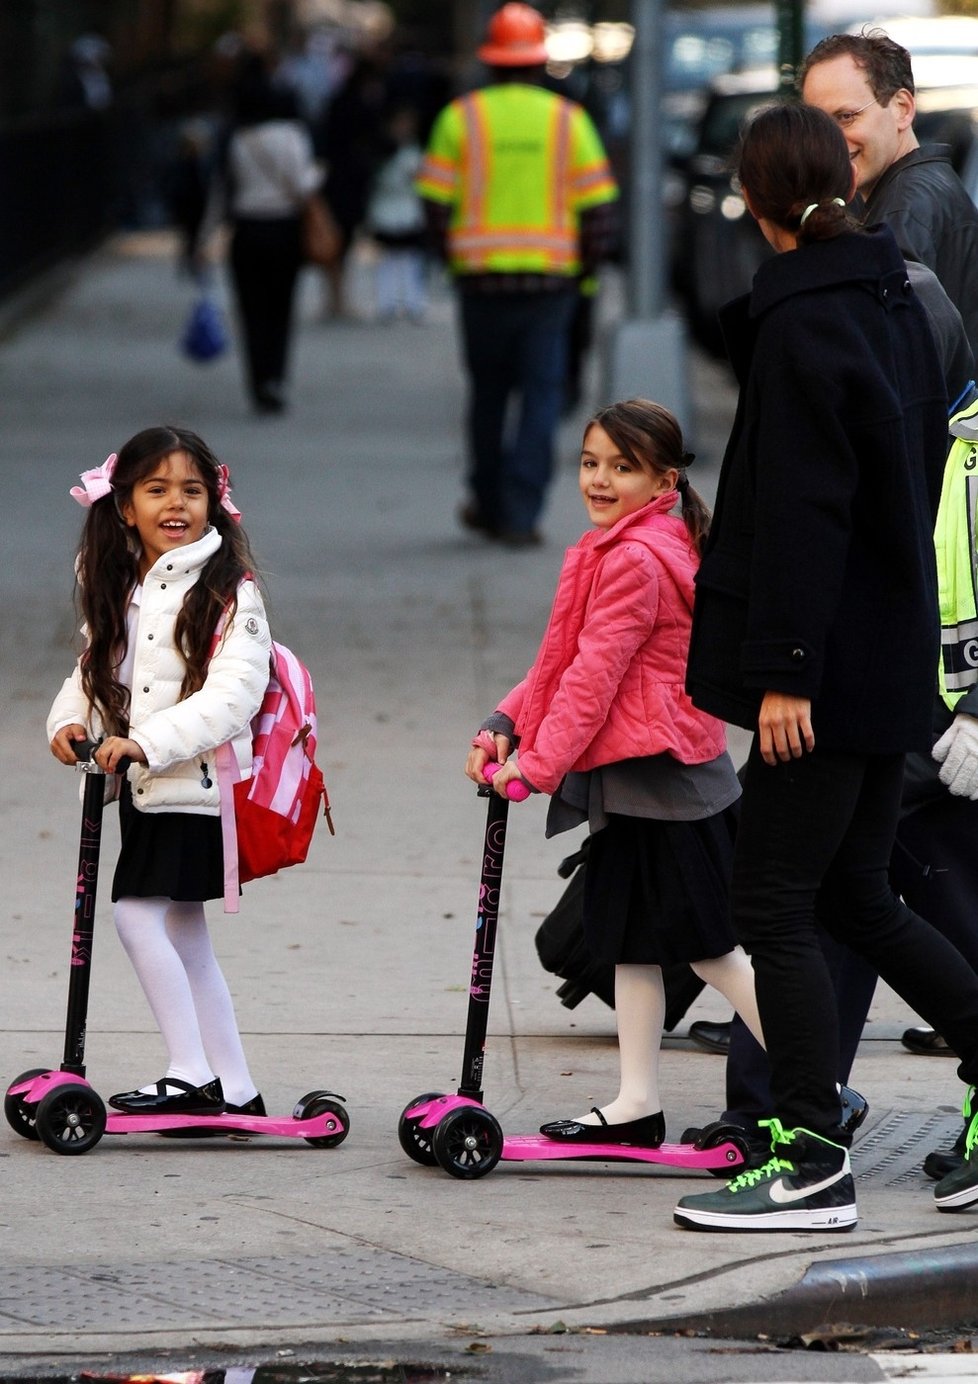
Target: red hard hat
(514, 37)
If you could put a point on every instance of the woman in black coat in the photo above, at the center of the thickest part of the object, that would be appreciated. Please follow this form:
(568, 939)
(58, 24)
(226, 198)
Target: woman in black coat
(816, 625)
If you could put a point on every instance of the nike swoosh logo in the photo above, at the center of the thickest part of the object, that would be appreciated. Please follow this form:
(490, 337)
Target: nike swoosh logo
(784, 1196)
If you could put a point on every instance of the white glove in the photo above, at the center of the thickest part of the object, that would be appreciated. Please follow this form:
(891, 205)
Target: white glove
(957, 750)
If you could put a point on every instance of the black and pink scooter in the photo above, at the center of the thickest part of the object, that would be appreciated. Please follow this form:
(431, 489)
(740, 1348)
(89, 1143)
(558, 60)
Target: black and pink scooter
(62, 1110)
(458, 1133)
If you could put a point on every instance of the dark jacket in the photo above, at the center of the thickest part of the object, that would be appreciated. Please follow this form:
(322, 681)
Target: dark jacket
(925, 205)
(818, 578)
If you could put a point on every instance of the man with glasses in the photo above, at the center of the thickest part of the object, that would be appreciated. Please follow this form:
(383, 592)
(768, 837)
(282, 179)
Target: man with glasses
(865, 82)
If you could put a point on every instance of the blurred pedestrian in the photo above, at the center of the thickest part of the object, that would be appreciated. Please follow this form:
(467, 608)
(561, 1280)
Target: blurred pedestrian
(395, 220)
(815, 624)
(351, 147)
(271, 173)
(518, 193)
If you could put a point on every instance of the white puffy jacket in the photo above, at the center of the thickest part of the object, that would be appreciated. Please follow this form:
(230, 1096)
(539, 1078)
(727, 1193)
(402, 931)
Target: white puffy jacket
(179, 737)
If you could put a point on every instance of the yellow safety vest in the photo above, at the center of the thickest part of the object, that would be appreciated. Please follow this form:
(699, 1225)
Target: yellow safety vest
(517, 164)
(955, 539)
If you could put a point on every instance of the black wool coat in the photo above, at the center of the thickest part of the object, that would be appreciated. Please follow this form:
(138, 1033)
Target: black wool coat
(818, 579)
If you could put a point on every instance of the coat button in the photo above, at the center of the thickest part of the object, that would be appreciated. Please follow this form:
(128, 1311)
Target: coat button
(139, 792)
(162, 585)
(169, 566)
(145, 689)
(149, 636)
(798, 653)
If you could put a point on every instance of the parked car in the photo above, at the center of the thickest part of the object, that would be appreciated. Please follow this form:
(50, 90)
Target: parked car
(716, 245)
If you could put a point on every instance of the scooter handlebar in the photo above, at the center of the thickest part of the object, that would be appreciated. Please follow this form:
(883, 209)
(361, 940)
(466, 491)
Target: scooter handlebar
(85, 754)
(516, 789)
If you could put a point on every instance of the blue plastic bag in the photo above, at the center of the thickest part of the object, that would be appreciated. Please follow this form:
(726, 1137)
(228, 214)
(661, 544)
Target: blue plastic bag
(205, 336)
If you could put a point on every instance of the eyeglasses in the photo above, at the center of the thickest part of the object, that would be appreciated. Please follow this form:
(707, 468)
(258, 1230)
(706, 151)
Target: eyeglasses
(846, 118)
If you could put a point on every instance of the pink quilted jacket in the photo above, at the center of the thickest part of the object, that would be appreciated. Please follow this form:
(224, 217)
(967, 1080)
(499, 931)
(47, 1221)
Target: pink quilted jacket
(607, 683)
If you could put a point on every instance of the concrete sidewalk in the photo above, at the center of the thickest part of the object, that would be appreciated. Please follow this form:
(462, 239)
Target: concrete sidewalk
(351, 972)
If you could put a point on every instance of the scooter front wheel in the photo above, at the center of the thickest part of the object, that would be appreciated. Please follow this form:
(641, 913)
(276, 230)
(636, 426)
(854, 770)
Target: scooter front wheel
(468, 1142)
(71, 1119)
(729, 1135)
(318, 1103)
(20, 1115)
(415, 1141)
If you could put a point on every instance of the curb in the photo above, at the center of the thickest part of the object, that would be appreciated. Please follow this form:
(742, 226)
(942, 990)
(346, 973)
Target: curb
(917, 1290)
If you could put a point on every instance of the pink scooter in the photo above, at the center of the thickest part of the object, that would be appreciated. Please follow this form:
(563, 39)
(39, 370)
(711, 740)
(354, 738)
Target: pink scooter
(457, 1132)
(62, 1110)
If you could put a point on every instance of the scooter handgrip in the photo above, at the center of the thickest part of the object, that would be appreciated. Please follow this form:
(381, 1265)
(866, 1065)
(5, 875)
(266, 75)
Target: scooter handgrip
(85, 751)
(516, 790)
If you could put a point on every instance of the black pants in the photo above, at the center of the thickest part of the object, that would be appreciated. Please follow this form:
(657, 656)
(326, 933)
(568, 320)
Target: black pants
(934, 868)
(515, 349)
(265, 261)
(814, 845)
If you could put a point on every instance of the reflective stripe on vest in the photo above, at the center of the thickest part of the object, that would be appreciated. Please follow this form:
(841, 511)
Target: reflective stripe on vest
(955, 541)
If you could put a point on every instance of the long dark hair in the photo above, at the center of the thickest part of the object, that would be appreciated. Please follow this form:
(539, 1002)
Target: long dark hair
(108, 568)
(651, 438)
(792, 158)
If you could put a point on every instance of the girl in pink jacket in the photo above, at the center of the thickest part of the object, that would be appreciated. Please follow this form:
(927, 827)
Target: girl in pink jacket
(603, 724)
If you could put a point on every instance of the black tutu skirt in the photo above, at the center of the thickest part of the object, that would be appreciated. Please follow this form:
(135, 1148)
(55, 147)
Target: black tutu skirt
(658, 892)
(169, 855)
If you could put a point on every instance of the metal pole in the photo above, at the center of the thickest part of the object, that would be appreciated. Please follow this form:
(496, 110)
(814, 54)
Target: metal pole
(646, 258)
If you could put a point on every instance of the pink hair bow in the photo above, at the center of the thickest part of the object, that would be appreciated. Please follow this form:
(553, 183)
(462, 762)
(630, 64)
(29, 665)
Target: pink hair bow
(224, 492)
(96, 484)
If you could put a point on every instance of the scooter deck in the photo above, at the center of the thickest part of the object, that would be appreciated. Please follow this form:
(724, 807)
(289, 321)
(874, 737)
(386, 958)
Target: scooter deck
(328, 1124)
(523, 1148)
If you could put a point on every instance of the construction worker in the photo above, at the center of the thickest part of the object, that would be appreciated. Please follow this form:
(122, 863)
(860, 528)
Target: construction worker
(519, 199)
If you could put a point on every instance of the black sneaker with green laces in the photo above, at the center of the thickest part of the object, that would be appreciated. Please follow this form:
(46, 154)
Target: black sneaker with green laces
(960, 1187)
(805, 1185)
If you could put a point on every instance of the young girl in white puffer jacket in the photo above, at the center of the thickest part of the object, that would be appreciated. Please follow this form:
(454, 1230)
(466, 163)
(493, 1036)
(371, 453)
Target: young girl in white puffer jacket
(162, 557)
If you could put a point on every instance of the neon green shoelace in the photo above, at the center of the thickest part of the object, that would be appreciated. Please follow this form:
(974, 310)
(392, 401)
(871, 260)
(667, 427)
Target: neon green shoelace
(752, 1176)
(971, 1138)
(755, 1175)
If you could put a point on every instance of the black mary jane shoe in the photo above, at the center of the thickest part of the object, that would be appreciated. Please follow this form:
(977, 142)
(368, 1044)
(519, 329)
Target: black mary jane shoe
(185, 1100)
(646, 1133)
(255, 1106)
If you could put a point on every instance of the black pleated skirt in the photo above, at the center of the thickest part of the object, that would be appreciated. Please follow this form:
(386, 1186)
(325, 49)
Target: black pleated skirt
(658, 892)
(169, 855)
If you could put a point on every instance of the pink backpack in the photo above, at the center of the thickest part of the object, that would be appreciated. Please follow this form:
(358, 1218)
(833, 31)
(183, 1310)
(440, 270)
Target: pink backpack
(268, 820)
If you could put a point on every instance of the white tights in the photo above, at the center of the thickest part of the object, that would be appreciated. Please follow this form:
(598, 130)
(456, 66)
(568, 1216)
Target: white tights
(171, 952)
(640, 1010)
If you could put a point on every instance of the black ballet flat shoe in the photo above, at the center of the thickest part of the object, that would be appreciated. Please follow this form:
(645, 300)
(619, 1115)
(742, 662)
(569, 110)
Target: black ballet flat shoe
(646, 1133)
(186, 1100)
(255, 1106)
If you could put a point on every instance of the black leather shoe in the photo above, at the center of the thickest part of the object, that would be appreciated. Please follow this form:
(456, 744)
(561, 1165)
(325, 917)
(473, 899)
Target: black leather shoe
(925, 1042)
(711, 1037)
(855, 1108)
(185, 1100)
(646, 1133)
(255, 1106)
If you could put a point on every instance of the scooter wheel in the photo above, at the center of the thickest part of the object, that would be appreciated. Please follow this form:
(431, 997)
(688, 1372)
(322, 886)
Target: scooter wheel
(20, 1115)
(71, 1119)
(318, 1103)
(468, 1142)
(731, 1135)
(415, 1141)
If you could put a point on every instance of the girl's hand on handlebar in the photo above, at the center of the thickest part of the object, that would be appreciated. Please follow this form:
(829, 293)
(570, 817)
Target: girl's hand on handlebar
(62, 745)
(479, 757)
(116, 747)
(504, 775)
(784, 727)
